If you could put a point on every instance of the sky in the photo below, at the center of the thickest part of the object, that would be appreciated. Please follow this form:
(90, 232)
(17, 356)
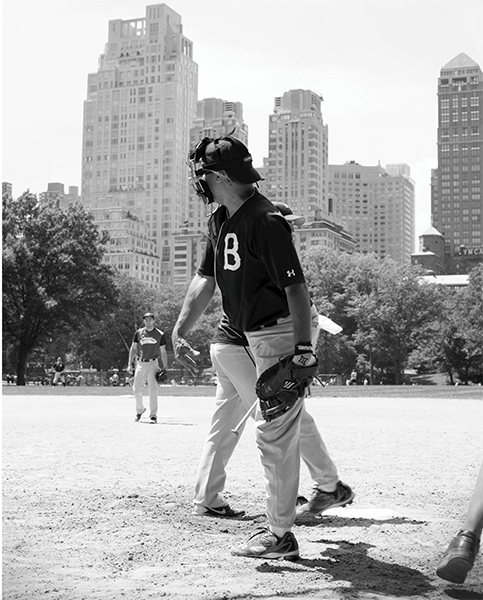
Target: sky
(376, 64)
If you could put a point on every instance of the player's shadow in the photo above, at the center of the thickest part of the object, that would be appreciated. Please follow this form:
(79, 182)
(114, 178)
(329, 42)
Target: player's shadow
(461, 594)
(347, 561)
(329, 521)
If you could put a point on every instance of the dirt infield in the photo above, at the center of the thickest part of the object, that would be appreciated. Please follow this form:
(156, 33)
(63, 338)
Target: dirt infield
(98, 507)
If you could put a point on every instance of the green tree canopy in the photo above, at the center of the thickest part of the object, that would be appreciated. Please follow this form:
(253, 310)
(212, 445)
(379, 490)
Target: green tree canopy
(53, 276)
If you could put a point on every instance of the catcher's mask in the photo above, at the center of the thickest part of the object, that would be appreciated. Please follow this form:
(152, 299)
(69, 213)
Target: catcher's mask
(221, 154)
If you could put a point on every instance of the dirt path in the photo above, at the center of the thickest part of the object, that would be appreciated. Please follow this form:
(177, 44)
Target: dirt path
(97, 507)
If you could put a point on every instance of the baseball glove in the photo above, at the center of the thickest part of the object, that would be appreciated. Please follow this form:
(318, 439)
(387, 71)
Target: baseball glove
(280, 386)
(161, 375)
(186, 356)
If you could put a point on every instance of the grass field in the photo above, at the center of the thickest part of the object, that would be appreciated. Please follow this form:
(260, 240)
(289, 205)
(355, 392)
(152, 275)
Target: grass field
(339, 391)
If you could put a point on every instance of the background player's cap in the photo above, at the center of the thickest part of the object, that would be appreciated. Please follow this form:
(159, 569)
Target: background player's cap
(288, 214)
(230, 155)
(148, 314)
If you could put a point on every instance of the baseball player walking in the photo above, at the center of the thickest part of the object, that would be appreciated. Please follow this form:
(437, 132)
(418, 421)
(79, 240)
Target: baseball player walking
(148, 346)
(251, 257)
(235, 395)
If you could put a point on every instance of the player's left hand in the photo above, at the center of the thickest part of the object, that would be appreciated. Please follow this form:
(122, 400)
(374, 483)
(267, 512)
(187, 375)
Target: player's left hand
(304, 355)
(186, 355)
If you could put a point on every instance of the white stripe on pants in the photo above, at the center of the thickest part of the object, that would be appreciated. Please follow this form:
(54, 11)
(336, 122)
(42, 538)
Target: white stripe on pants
(279, 440)
(146, 370)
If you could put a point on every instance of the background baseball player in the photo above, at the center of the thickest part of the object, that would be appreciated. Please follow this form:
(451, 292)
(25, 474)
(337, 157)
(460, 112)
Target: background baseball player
(59, 369)
(250, 251)
(147, 348)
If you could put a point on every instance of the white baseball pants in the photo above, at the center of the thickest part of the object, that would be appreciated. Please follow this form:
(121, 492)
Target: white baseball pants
(143, 371)
(279, 441)
(235, 394)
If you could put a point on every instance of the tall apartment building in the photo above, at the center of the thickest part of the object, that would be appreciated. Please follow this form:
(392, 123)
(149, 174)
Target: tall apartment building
(296, 170)
(457, 183)
(130, 249)
(378, 208)
(298, 153)
(214, 118)
(140, 107)
(7, 189)
(56, 191)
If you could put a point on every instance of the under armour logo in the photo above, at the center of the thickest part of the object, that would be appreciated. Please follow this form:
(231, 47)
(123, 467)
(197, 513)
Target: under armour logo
(291, 273)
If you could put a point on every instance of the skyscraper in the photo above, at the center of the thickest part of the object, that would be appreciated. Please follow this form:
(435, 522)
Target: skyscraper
(456, 185)
(137, 117)
(378, 208)
(298, 151)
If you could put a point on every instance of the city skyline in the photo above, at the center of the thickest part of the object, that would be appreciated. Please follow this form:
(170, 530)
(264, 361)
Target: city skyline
(376, 69)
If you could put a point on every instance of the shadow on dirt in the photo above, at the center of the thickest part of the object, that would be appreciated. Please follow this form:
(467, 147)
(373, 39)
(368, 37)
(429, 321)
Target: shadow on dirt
(463, 594)
(354, 522)
(347, 561)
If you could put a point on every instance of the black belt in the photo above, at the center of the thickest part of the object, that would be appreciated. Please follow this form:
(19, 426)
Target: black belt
(147, 359)
(269, 324)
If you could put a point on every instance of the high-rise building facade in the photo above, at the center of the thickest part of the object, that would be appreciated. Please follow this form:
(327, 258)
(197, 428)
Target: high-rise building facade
(130, 249)
(298, 153)
(140, 107)
(56, 191)
(7, 189)
(457, 183)
(377, 208)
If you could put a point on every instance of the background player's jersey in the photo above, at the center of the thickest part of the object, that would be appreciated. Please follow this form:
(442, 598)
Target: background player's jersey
(149, 342)
(252, 257)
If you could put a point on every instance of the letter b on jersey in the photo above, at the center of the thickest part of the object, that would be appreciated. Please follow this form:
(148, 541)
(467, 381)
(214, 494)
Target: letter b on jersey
(232, 260)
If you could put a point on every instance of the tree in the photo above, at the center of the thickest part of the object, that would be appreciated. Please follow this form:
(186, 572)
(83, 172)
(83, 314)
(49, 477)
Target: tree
(53, 276)
(394, 316)
(458, 340)
(334, 279)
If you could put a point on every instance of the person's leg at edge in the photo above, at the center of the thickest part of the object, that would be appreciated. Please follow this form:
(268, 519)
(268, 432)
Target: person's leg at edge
(461, 553)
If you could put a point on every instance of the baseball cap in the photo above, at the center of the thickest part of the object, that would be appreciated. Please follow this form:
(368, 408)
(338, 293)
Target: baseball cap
(148, 314)
(288, 214)
(231, 155)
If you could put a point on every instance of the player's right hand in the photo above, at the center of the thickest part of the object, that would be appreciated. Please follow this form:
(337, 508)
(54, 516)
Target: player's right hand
(186, 355)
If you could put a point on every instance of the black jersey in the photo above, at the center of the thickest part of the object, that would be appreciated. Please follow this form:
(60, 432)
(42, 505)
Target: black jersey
(253, 259)
(149, 342)
(225, 333)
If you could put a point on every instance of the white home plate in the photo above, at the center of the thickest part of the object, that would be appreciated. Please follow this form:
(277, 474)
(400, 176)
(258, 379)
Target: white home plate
(362, 512)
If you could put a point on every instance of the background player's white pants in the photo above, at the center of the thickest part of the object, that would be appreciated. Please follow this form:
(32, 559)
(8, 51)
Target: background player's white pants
(58, 376)
(279, 440)
(235, 394)
(146, 370)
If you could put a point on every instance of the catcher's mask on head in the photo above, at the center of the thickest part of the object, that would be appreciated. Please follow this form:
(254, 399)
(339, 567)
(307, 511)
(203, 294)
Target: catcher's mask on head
(220, 154)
